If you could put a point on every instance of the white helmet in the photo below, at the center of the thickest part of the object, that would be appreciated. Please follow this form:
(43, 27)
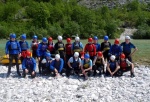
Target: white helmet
(112, 57)
(59, 37)
(77, 38)
(76, 54)
(127, 37)
(57, 56)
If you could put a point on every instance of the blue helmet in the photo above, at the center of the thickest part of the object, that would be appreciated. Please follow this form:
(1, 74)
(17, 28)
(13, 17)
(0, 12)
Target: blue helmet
(95, 38)
(13, 35)
(44, 39)
(47, 54)
(34, 37)
(86, 56)
(23, 36)
(106, 37)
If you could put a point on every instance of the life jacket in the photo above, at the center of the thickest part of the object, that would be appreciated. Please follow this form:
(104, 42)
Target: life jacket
(75, 63)
(86, 64)
(51, 47)
(29, 63)
(106, 46)
(34, 45)
(126, 48)
(13, 45)
(123, 64)
(99, 61)
(90, 49)
(60, 46)
(112, 65)
(57, 64)
(23, 45)
(96, 45)
(68, 49)
(24, 54)
(76, 47)
(44, 47)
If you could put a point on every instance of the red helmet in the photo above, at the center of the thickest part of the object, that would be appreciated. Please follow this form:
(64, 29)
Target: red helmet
(68, 40)
(28, 53)
(50, 39)
(116, 41)
(99, 54)
(90, 39)
(122, 55)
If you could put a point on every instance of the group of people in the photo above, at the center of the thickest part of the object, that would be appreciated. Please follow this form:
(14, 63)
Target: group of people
(70, 58)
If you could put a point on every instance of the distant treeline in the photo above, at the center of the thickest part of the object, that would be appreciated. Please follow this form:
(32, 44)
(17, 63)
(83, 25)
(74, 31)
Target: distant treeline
(67, 18)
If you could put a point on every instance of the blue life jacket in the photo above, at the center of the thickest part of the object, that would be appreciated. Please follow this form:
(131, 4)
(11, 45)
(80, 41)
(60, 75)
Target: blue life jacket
(44, 47)
(112, 65)
(75, 63)
(57, 64)
(29, 63)
(13, 45)
(23, 45)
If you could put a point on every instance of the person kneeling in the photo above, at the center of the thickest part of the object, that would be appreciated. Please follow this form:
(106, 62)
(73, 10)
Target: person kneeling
(45, 63)
(86, 66)
(57, 65)
(98, 63)
(112, 67)
(74, 64)
(125, 65)
(29, 65)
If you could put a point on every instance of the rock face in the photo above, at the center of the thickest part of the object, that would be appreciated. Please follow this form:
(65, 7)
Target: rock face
(109, 3)
(98, 89)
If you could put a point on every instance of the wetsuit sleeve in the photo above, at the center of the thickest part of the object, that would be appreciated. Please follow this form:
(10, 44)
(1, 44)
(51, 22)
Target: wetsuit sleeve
(81, 45)
(72, 46)
(34, 64)
(24, 64)
(19, 48)
(6, 48)
(56, 46)
(132, 45)
(52, 65)
(99, 47)
(38, 50)
(110, 51)
(61, 65)
(102, 46)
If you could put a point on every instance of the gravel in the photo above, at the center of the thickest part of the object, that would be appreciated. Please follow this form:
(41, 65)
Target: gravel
(96, 89)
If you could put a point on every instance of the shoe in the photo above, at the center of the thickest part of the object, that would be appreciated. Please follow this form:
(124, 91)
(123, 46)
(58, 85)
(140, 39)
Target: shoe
(18, 73)
(86, 78)
(24, 75)
(8, 74)
(132, 75)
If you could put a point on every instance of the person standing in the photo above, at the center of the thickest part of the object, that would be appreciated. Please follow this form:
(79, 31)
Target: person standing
(13, 51)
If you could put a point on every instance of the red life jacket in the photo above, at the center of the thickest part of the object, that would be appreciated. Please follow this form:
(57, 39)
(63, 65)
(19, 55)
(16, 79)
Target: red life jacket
(68, 49)
(90, 49)
(123, 64)
(51, 47)
(34, 45)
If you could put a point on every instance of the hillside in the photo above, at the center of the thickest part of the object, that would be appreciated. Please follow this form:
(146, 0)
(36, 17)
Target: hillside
(71, 17)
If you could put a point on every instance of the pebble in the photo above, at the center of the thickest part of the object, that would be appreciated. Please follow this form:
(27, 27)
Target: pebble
(101, 89)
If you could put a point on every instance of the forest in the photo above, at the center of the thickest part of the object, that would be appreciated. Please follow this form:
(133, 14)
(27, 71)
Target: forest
(66, 17)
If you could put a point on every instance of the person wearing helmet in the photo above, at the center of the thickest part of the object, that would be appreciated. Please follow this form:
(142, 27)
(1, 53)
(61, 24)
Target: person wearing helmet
(68, 49)
(90, 48)
(34, 46)
(13, 51)
(51, 45)
(125, 65)
(42, 49)
(45, 63)
(112, 67)
(127, 47)
(105, 47)
(86, 66)
(115, 49)
(60, 47)
(57, 65)
(24, 46)
(77, 46)
(98, 63)
(29, 65)
(74, 65)
(95, 42)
